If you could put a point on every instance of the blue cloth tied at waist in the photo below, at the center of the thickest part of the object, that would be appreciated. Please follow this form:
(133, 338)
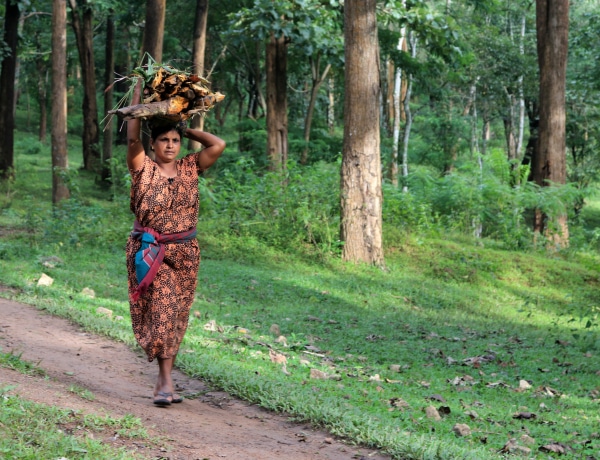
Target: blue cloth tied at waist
(151, 254)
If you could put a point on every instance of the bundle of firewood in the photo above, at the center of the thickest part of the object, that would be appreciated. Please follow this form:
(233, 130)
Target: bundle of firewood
(169, 95)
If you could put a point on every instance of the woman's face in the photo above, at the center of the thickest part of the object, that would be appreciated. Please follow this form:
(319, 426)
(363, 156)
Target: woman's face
(166, 146)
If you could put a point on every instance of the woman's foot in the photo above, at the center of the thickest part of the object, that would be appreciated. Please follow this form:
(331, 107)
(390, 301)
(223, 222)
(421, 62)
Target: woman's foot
(162, 398)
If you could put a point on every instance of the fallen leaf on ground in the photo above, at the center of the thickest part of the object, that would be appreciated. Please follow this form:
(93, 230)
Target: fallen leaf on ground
(524, 415)
(317, 374)
(277, 358)
(555, 447)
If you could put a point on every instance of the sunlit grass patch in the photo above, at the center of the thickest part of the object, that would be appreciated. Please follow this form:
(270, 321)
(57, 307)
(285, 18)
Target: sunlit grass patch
(31, 430)
(13, 361)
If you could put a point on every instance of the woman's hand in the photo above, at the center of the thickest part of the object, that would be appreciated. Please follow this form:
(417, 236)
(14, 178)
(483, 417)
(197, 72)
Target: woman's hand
(213, 147)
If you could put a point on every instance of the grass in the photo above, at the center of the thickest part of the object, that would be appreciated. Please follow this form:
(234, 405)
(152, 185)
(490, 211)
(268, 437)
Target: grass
(14, 362)
(32, 431)
(504, 342)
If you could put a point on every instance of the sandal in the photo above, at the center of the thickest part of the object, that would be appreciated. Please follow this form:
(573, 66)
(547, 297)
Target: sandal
(176, 399)
(162, 399)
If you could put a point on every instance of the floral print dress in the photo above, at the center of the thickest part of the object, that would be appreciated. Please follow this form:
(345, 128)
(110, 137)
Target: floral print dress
(160, 317)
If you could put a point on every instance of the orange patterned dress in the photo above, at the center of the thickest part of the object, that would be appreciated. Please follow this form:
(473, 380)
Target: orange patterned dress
(160, 317)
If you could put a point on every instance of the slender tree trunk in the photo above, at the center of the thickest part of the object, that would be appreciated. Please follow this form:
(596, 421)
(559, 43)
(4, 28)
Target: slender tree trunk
(198, 59)
(485, 134)
(18, 65)
(82, 22)
(331, 105)
(60, 159)
(552, 21)
(109, 68)
(361, 194)
(7, 90)
(407, 113)
(317, 80)
(399, 95)
(521, 92)
(277, 118)
(390, 78)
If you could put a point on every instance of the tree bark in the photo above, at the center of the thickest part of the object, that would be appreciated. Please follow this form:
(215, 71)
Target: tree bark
(361, 194)
(552, 25)
(109, 65)
(198, 60)
(60, 159)
(154, 31)
(7, 90)
(82, 18)
(277, 118)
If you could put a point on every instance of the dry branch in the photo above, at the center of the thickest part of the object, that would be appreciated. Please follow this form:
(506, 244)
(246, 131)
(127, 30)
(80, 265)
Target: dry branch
(170, 95)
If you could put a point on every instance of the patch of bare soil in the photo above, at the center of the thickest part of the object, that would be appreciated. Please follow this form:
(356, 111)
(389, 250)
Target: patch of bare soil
(207, 425)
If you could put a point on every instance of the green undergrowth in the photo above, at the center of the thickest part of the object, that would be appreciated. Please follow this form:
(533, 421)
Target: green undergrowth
(504, 342)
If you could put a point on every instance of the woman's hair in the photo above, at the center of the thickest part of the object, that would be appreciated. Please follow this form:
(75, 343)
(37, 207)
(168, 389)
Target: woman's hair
(156, 129)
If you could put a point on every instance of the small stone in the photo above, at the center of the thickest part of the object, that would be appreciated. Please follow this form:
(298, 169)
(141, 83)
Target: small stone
(524, 385)
(104, 312)
(45, 280)
(432, 413)
(395, 368)
(88, 292)
(460, 429)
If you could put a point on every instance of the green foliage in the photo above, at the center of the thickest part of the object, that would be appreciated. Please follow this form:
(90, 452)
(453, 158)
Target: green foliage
(289, 212)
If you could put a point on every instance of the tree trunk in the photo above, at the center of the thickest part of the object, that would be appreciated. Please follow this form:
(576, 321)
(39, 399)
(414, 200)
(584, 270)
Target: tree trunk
(17, 91)
(390, 76)
(60, 159)
(317, 80)
(277, 118)
(521, 91)
(361, 194)
(82, 22)
(154, 30)
(198, 60)
(552, 22)
(408, 82)
(109, 65)
(399, 98)
(152, 45)
(331, 105)
(7, 90)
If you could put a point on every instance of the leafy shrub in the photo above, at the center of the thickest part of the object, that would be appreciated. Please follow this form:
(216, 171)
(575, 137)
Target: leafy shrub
(288, 212)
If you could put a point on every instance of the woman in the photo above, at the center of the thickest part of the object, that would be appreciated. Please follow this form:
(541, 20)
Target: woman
(163, 255)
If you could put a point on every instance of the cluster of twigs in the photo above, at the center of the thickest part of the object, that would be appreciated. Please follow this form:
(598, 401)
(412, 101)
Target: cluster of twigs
(168, 94)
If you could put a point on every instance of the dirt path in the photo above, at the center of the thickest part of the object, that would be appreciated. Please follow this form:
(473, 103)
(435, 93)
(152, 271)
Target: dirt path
(208, 425)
